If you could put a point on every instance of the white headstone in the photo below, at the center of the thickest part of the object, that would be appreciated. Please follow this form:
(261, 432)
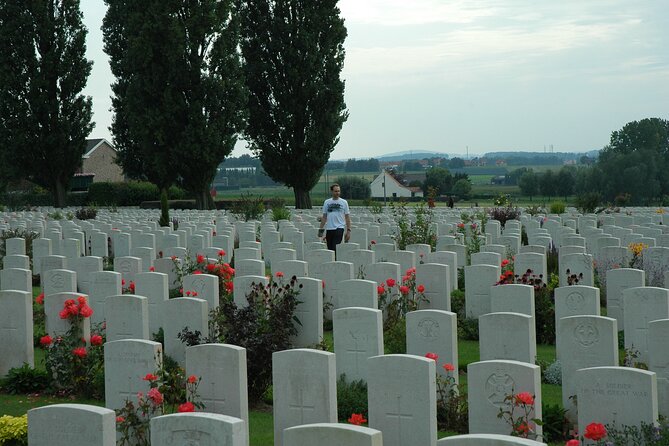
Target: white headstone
(434, 331)
(309, 312)
(71, 425)
(658, 361)
(509, 336)
(153, 286)
(331, 434)
(178, 314)
(435, 278)
(16, 330)
(127, 317)
(103, 285)
(641, 306)
(194, 429)
(478, 281)
(358, 335)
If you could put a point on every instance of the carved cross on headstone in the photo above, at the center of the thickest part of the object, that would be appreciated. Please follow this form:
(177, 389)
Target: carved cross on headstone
(213, 404)
(397, 417)
(300, 405)
(356, 351)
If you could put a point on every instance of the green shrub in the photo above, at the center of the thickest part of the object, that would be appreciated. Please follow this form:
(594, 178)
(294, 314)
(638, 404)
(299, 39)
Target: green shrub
(504, 214)
(395, 338)
(351, 398)
(587, 203)
(557, 207)
(25, 379)
(86, 214)
(279, 210)
(27, 235)
(249, 207)
(468, 328)
(354, 188)
(556, 425)
(14, 430)
(131, 193)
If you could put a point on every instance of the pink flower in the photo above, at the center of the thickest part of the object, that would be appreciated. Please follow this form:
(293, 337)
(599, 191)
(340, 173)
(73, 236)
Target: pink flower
(155, 396)
(432, 356)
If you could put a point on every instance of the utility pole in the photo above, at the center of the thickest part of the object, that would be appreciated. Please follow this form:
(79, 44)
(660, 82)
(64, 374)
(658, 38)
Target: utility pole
(384, 188)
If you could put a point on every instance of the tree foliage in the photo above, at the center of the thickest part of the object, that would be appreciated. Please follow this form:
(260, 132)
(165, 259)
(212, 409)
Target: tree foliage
(362, 165)
(529, 183)
(44, 118)
(353, 187)
(293, 52)
(438, 178)
(179, 95)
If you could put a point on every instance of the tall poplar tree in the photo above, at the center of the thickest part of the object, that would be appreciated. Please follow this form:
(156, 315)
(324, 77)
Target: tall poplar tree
(44, 118)
(293, 52)
(179, 95)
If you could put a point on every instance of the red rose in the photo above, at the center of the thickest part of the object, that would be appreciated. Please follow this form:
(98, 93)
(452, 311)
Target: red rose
(525, 398)
(448, 367)
(523, 428)
(192, 379)
(211, 267)
(432, 356)
(229, 286)
(122, 282)
(45, 340)
(132, 287)
(405, 278)
(120, 419)
(40, 299)
(197, 272)
(64, 313)
(357, 419)
(152, 269)
(85, 311)
(373, 242)
(187, 293)
(420, 288)
(505, 262)
(279, 274)
(200, 258)
(323, 282)
(221, 253)
(80, 352)
(96, 340)
(150, 377)
(461, 225)
(404, 289)
(595, 431)
(573, 442)
(390, 282)
(186, 407)
(380, 289)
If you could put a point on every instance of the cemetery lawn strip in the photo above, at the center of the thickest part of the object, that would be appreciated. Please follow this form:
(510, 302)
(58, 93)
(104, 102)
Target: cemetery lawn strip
(261, 428)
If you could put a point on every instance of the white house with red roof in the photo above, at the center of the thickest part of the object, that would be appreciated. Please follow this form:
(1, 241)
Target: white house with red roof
(393, 188)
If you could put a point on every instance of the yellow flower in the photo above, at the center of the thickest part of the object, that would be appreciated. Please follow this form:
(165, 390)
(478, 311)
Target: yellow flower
(660, 211)
(637, 248)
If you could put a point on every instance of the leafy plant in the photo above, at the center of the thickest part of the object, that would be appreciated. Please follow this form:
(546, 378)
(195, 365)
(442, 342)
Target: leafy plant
(558, 207)
(74, 367)
(534, 210)
(249, 207)
(27, 235)
(24, 379)
(504, 214)
(521, 424)
(263, 327)
(555, 423)
(14, 430)
(417, 231)
(587, 202)
(86, 213)
(468, 328)
(351, 398)
(279, 210)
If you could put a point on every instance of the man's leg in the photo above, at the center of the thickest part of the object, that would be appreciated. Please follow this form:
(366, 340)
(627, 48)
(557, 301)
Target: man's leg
(333, 237)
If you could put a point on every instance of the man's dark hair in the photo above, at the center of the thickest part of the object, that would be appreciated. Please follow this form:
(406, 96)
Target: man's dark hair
(334, 185)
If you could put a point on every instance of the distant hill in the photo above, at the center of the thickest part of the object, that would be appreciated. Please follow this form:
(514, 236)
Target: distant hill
(560, 155)
(410, 155)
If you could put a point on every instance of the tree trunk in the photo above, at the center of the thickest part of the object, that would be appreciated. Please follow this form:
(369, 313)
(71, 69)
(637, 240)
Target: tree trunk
(59, 194)
(203, 199)
(302, 198)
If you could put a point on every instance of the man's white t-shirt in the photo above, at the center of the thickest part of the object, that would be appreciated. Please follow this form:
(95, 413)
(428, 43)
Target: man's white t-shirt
(335, 211)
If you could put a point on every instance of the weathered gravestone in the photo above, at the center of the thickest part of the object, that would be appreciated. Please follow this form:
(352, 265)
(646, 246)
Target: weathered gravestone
(221, 369)
(103, 285)
(658, 361)
(356, 293)
(404, 410)
(434, 331)
(582, 342)
(487, 440)
(617, 281)
(16, 279)
(305, 389)
(154, 287)
(16, 330)
(509, 336)
(478, 281)
(127, 362)
(331, 434)
(489, 383)
(127, 317)
(641, 306)
(436, 280)
(71, 425)
(616, 396)
(180, 313)
(198, 429)
(358, 335)
(206, 287)
(576, 300)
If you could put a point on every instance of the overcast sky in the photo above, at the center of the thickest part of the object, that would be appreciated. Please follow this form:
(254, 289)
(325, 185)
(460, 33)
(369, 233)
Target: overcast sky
(490, 75)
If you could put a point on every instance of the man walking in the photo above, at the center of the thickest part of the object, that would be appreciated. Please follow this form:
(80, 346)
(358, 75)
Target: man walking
(335, 219)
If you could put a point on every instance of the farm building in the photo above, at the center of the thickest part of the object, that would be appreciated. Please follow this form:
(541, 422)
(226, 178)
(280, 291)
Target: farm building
(393, 188)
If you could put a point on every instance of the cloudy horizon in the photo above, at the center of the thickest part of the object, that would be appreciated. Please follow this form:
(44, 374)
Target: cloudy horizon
(478, 75)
